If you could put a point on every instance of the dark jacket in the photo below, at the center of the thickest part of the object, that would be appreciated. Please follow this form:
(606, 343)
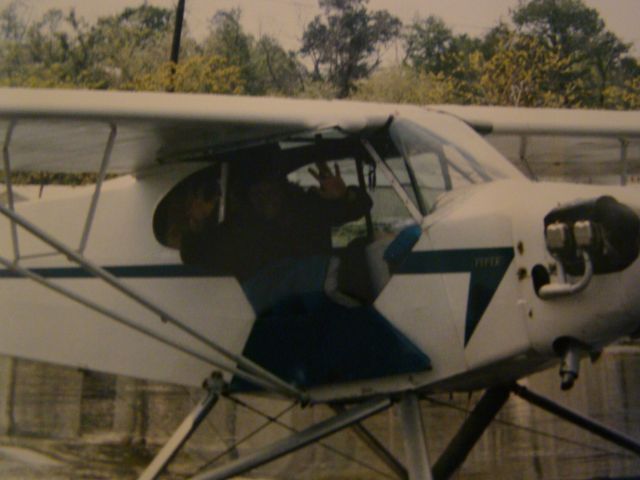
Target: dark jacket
(247, 241)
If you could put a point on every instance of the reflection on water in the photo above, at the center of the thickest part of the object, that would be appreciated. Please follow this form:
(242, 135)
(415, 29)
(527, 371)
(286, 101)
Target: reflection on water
(61, 423)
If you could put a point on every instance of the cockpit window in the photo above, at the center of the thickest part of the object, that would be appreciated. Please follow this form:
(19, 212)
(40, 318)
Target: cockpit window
(198, 195)
(435, 165)
(397, 163)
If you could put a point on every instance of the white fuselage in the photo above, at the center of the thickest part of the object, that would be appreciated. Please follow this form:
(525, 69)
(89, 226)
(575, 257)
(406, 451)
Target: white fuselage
(496, 229)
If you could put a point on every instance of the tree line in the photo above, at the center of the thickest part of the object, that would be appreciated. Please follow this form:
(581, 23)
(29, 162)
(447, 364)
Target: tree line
(554, 53)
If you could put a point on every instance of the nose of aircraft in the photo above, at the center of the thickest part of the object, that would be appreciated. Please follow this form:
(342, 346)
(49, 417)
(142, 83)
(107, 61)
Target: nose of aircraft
(633, 276)
(596, 299)
(596, 242)
(603, 228)
(622, 235)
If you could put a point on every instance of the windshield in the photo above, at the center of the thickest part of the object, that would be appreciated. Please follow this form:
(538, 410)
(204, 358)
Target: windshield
(436, 153)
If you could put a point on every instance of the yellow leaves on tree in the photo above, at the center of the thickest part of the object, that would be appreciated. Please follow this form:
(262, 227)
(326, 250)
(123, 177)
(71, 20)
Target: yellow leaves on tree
(625, 97)
(524, 71)
(196, 74)
(403, 84)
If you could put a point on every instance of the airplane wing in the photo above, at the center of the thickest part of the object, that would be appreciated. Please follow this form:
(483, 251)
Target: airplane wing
(73, 126)
(581, 145)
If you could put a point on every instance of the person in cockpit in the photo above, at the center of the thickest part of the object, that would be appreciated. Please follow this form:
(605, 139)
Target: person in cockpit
(277, 238)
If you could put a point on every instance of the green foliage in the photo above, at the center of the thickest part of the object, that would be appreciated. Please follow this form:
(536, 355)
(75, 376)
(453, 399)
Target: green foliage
(432, 47)
(196, 74)
(623, 97)
(264, 66)
(559, 54)
(318, 89)
(45, 53)
(126, 51)
(346, 45)
(575, 31)
(278, 72)
(526, 72)
(63, 51)
(402, 84)
(130, 44)
(228, 40)
(50, 178)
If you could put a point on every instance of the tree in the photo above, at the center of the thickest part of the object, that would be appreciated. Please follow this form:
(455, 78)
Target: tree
(279, 71)
(403, 84)
(12, 26)
(430, 46)
(50, 52)
(346, 45)
(228, 40)
(195, 74)
(265, 67)
(625, 96)
(452, 60)
(526, 72)
(577, 31)
(494, 39)
(131, 43)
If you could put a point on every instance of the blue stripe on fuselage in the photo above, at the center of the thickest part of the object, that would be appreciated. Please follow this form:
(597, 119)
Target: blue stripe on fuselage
(121, 271)
(487, 267)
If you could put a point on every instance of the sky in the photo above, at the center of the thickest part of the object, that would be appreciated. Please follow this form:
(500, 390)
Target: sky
(286, 19)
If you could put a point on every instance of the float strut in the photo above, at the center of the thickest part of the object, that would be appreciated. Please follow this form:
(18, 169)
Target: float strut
(214, 386)
(377, 447)
(579, 420)
(418, 464)
(470, 432)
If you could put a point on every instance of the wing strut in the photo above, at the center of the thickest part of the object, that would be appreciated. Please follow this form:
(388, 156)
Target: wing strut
(624, 147)
(127, 322)
(7, 178)
(524, 140)
(96, 193)
(95, 270)
(254, 370)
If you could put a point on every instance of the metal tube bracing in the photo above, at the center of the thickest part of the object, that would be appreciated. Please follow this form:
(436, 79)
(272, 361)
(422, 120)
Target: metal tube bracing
(127, 322)
(470, 432)
(106, 157)
(224, 179)
(377, 447)
(624, 147)
(269, 378)
(8, 182)
(184, 431)
(295, 442)
(418, 465)
(522, 154)
(413, 210)
(577, 419)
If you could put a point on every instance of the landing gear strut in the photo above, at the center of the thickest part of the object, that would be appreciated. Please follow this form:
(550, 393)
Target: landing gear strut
(417, 466)
(214, 387)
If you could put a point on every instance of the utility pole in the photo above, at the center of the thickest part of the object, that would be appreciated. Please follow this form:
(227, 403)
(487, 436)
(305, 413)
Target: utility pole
(175, 45)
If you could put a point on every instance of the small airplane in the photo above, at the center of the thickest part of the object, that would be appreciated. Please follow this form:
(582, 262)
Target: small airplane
(457, 272)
